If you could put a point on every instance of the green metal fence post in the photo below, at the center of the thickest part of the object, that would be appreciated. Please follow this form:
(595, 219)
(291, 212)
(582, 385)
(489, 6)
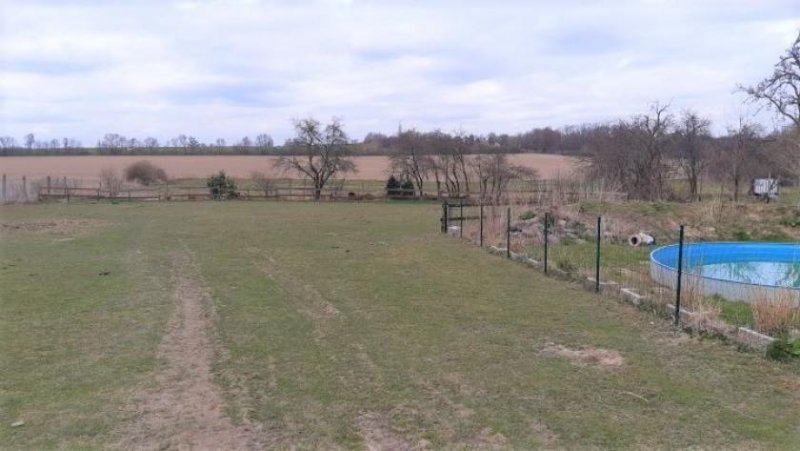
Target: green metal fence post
(680, 275)
(480, 239)
(546, 230)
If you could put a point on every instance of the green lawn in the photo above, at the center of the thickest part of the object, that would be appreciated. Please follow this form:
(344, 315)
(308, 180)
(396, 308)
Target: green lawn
(340, 323)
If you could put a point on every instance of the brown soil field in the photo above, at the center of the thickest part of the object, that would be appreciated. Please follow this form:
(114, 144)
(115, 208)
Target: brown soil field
(196, 166)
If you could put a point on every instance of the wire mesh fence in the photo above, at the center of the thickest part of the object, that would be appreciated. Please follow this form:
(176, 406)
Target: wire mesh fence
(721, 286)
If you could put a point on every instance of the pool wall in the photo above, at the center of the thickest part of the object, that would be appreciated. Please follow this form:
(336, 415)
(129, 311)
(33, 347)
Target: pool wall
(664, 261)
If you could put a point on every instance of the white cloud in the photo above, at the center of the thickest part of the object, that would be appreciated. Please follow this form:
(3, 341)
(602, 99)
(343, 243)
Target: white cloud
(230, 68)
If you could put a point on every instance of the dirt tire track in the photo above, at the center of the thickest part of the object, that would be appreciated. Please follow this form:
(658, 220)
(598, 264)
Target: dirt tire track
(185, 410)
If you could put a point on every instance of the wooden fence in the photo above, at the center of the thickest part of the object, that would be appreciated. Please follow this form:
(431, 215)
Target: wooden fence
(62, 189)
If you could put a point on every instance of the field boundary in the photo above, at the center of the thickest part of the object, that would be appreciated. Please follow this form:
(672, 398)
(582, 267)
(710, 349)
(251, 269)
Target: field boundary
(544, 191)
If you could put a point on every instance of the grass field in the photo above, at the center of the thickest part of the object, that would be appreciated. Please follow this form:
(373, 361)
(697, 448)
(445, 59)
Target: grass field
(341, 325)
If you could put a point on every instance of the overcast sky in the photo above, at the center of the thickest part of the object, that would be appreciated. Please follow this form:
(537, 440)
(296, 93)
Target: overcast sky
(234, 68)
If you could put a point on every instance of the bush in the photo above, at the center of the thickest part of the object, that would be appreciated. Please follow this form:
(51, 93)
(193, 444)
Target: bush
(782, 349)
(264, 183)
(392, 186)
(222, 187)
(527, 215)
(110, 181)
(145, 173)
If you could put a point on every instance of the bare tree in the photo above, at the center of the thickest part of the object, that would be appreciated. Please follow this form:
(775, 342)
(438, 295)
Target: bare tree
(632, 154)
(110, 181)
(264, 183)
(264, 142)
(494, 173)
(150, 142)
(692, 146)
(409, 160)
(7, 142)
(738, 156)
(781, 90)
(30, 140)
(192, 143)
(319, 153)
(113, 142)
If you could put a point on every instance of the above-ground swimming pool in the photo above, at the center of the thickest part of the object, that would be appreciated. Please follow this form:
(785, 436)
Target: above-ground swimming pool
(742, 271)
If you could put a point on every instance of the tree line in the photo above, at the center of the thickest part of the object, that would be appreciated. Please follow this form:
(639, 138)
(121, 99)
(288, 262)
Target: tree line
(639, 155)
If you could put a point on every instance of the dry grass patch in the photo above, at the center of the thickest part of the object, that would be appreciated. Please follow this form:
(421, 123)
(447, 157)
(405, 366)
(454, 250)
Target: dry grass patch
(775, 316)
(605, 358)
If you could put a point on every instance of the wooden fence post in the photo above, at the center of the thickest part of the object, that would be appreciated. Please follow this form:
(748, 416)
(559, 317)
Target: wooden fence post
(48, 184)
(4, 187)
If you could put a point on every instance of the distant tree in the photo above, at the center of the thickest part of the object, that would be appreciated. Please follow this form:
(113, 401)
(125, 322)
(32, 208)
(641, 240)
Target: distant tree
(246, 142)
(30, 140)
(319, 153)
(738, 158)
(633, 154)
(220, 143)
(693, 148)
(66, 143)
(781, 90)
(150, 142)
(192, 143)
(113, 142)
(495, 172)
(264, 142)
(7, 142)
(409, 159)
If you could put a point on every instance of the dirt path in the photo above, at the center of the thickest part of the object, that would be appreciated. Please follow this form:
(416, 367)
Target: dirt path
(185, 410)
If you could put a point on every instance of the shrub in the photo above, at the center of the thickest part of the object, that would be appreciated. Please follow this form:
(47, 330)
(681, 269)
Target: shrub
(222, 187)
(527, 215)
(782, 349)
(145, 173)
(110, 181)
(392, 186)
(263, 183)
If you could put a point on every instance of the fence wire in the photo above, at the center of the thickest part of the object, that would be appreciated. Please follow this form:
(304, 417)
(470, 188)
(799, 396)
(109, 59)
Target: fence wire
(569, 247)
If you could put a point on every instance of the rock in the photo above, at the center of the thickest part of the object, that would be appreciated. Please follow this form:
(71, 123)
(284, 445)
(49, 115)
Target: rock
(17, 424)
